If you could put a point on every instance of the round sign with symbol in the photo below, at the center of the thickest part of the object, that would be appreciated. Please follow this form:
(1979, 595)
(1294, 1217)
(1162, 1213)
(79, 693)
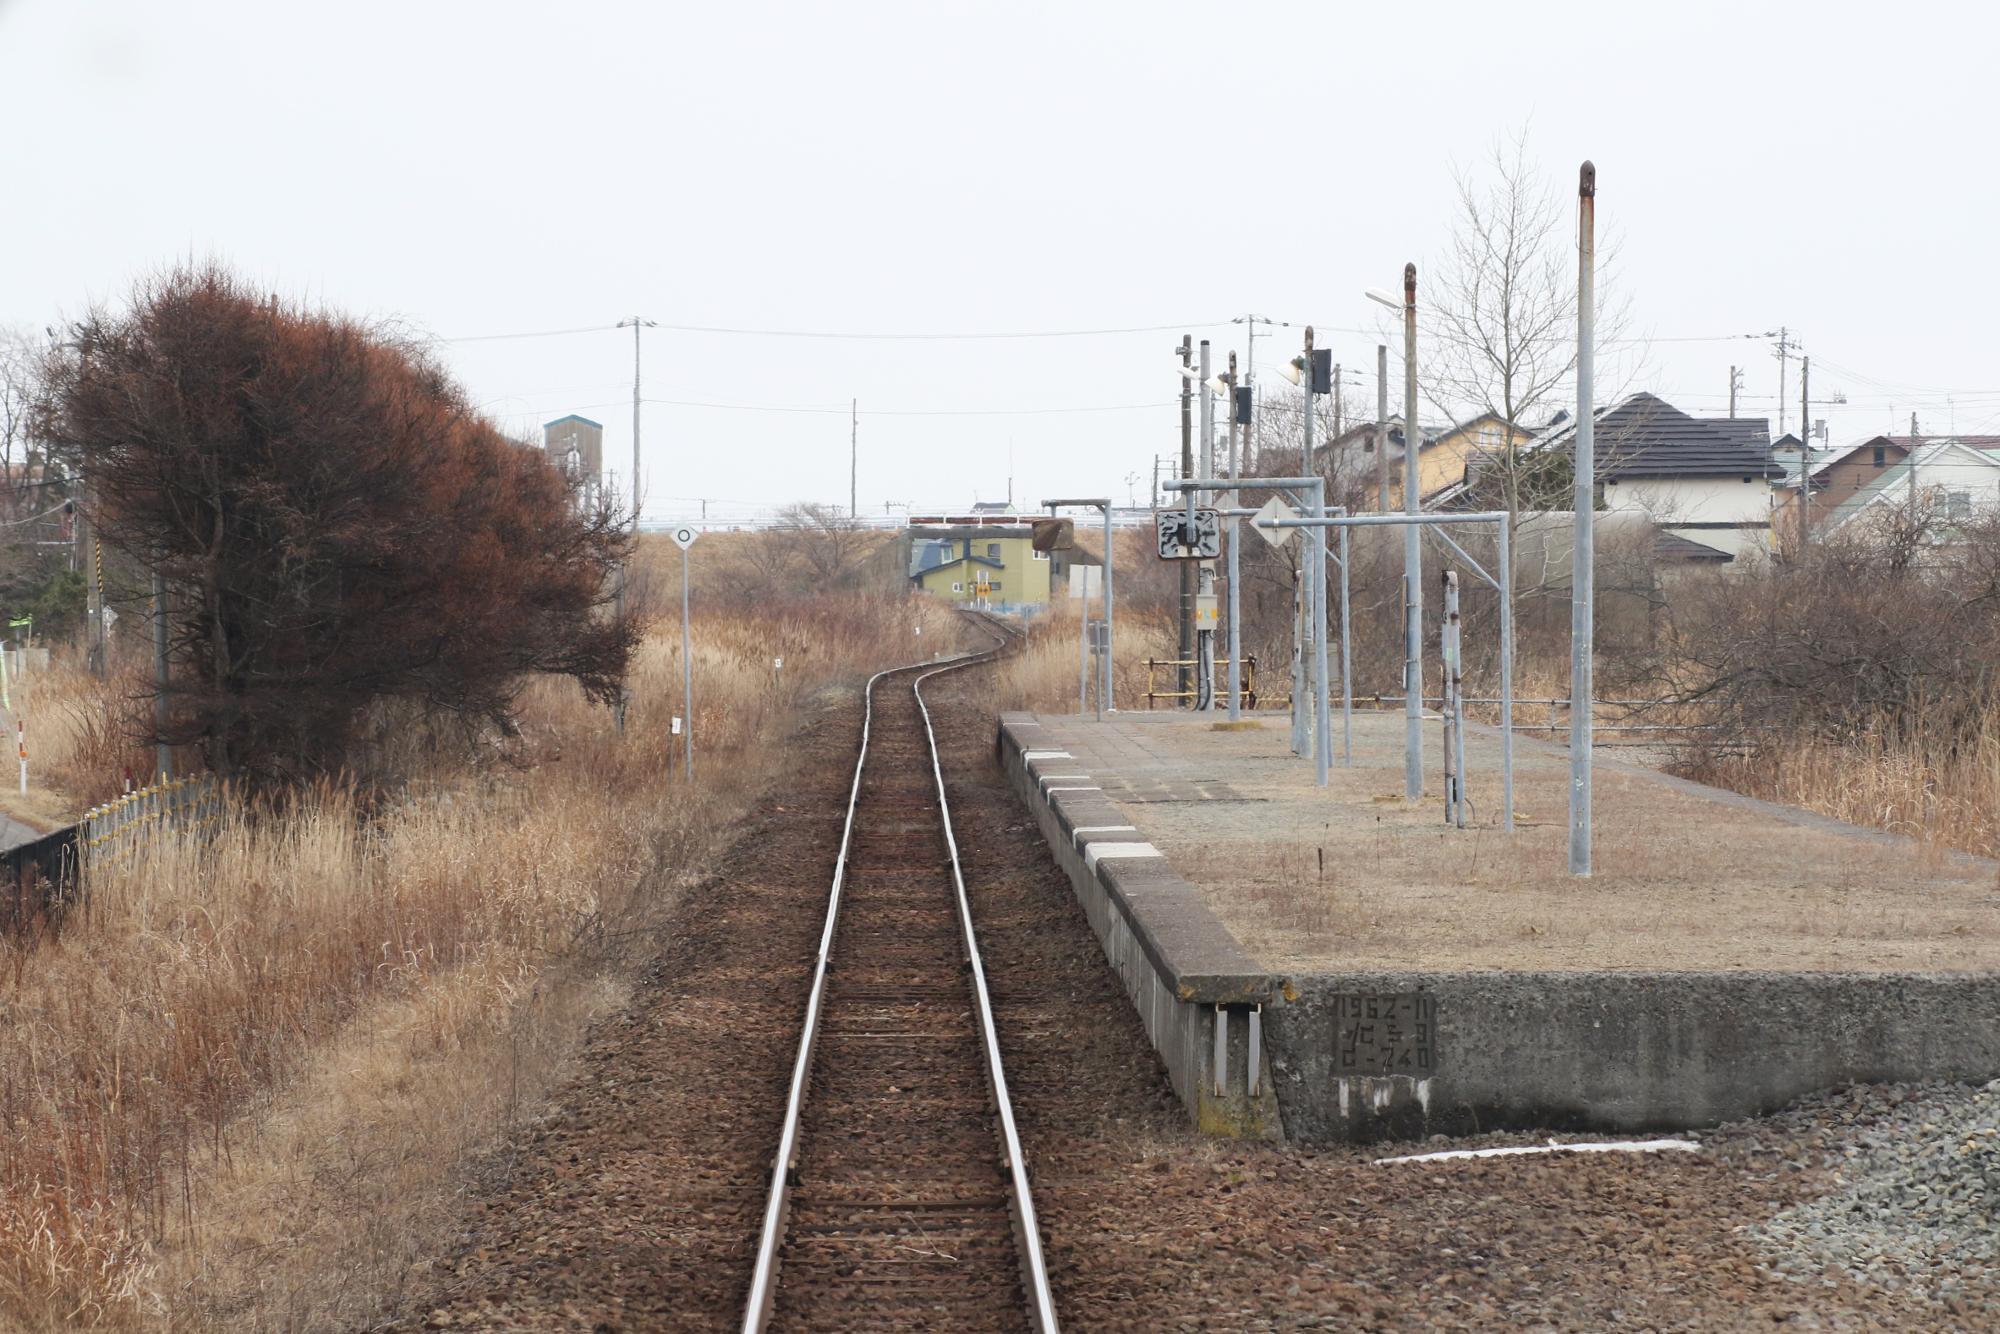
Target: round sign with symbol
(684, 537)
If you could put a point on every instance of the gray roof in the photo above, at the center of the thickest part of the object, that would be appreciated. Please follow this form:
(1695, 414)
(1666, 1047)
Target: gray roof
(1672, 548)
(1645, 436)
(958, 560)
(1897, 475)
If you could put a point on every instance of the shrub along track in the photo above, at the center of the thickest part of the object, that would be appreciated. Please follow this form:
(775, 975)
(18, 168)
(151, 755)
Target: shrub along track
(637, 1203)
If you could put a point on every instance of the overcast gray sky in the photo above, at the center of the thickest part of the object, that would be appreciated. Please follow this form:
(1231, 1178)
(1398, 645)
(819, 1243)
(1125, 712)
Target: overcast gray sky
(492, 168)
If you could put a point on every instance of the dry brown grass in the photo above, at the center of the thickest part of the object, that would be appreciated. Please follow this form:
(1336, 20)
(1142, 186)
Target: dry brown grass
(1041, 675)
(1942, 790)
(243, 1086)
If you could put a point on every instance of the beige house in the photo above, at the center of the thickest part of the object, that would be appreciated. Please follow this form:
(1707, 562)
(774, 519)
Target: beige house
(1443, 459)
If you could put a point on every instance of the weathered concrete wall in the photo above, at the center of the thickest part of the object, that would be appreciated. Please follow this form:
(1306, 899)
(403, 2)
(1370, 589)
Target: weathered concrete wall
(1610, 1051)
(1181, 967)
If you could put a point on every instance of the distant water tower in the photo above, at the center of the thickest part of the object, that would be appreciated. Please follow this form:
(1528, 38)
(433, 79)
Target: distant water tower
(576, 446)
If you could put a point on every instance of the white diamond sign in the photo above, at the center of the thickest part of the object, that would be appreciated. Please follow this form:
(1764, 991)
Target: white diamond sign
(1275, 508)
(684, 537)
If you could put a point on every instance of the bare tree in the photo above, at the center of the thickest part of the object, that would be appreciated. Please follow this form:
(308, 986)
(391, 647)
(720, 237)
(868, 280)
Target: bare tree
(824, 539)
(1504, 312)
(18, 356)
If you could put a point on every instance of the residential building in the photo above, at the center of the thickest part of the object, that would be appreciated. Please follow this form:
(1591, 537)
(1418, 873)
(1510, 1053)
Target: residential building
(1837, 475)
(968, 561)
(575, 445)
(1705, 479)
(1445, 459)
(1956, 478)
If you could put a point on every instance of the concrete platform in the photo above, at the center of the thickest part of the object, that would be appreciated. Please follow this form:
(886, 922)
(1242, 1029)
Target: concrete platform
(1373, 974)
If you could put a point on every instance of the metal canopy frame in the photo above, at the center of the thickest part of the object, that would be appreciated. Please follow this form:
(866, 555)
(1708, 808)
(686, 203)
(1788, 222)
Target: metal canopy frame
(1314, 590)
(1105, 699)
(1504, 585)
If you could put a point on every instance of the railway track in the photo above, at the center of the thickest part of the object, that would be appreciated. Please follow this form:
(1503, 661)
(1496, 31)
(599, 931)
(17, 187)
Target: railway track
(899, 1198)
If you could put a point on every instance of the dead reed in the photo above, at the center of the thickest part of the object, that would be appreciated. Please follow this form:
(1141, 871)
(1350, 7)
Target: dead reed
(241, 1085)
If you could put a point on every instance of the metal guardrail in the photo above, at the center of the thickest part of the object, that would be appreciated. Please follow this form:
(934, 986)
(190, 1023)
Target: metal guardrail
(1222, 676)
(42, 878)
(110, 834)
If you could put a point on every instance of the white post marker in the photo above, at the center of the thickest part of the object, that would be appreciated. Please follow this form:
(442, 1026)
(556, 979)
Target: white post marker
(684, 537)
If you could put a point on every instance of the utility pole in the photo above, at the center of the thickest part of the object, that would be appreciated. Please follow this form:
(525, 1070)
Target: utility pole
(1204, 684)
(93, 556)
(637, 322)
(1735, 382)
(1235, 573)
(1583, 576)
(163, 754)
(1250, 323)
(1785, 346)
(854, 459)
(1184, 678)
(1805, 451)
(1413, 588)
(1337, 413)
(1382, 427)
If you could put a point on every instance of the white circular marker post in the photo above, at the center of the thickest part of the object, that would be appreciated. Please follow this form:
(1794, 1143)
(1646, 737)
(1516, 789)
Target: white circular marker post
(684, 537)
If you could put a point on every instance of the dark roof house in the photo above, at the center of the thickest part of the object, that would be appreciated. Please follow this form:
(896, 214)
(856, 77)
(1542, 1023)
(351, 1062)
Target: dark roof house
(1645, 437)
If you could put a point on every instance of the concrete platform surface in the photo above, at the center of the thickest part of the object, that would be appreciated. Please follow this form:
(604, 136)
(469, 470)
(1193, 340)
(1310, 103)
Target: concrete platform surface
(1399, 977)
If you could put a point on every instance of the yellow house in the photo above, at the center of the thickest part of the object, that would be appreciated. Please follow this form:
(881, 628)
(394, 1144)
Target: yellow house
(1442, 460)
(994, 564)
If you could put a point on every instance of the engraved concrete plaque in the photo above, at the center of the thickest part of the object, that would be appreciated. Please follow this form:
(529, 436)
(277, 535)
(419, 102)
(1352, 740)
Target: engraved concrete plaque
(1385, 1035)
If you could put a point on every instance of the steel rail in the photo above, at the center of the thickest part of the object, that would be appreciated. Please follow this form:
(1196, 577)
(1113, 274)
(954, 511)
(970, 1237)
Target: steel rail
(764, 1276)
(1041, 1302)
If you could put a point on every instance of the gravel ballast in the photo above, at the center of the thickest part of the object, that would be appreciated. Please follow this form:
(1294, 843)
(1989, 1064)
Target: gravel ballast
(1914, 1204)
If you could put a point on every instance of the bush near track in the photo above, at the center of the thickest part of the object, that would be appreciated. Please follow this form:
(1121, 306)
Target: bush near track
(242, 1087)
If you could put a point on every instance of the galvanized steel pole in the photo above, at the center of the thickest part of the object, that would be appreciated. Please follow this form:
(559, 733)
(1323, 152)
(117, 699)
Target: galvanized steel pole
(687, 675)
(1346, 662)
(1583, 559)
(1106, 700)
(1413, 589)
(1235, 582)
(1506, 677)
(1204, 654)
(1184, 675)
(1316, 590)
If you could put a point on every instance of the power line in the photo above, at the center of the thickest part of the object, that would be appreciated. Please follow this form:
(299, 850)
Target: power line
(844, 409)
(857, 335)
(910, 412)
(533, 333)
